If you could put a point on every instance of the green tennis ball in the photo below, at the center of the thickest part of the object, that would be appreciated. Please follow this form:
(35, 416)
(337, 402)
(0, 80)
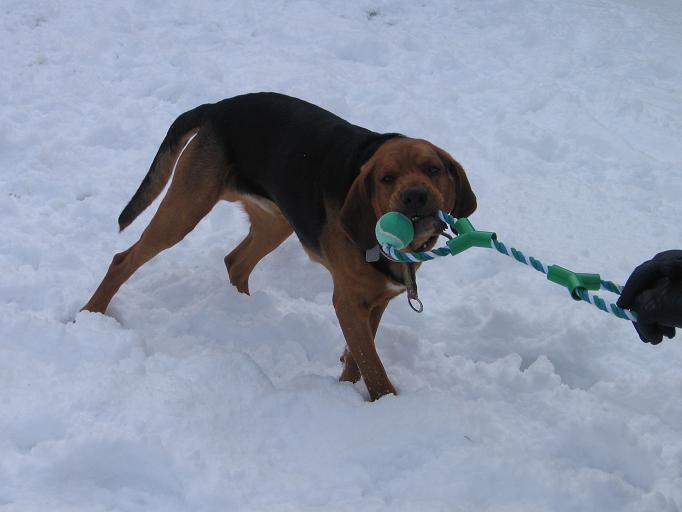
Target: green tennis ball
(394, 229)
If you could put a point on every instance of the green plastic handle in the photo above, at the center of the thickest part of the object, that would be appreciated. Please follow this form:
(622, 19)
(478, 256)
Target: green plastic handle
(468, 237)
(573, 280)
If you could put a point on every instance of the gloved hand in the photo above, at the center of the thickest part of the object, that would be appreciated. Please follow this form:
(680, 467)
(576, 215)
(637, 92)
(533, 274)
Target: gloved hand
(654, 292)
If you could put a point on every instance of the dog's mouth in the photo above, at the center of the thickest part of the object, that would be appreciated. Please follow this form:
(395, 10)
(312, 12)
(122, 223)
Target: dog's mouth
(427, 229)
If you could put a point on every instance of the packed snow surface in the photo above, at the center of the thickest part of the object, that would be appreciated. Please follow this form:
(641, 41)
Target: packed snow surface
(189, 396)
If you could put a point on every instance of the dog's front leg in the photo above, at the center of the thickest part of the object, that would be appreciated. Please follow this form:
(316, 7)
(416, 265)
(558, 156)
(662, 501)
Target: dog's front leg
(351, 372)
(354, 316)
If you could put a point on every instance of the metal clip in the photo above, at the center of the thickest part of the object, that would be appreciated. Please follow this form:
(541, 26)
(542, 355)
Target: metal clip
(418, 308)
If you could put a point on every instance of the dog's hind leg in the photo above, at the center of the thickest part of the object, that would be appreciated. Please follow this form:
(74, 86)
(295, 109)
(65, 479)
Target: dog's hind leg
(268, 230)
(195, 188)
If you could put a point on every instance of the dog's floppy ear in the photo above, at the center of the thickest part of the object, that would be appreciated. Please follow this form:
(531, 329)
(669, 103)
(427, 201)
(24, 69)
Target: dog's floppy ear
(357, 215)
(465, 200)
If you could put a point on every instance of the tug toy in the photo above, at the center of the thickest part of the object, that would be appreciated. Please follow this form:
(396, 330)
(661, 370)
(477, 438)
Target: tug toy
(394, 231)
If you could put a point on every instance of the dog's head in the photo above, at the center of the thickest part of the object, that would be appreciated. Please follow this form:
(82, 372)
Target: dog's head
(410, 176)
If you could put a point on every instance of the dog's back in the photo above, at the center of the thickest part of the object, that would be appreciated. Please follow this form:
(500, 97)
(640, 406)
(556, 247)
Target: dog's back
(312, 156)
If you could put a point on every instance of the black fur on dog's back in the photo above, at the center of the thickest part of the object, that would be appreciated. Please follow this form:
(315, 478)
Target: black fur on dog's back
(313, 156)
(162, 166)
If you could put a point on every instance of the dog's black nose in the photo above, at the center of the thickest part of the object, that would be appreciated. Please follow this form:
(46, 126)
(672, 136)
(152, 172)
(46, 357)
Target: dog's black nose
(414, 199)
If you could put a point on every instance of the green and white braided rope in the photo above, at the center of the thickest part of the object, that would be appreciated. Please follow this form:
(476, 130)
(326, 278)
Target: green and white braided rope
(583, 294)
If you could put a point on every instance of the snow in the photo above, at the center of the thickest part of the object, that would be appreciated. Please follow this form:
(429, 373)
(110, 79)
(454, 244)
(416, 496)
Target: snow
(190, 396)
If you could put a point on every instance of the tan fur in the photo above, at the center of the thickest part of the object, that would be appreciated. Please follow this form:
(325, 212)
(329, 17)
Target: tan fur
(196, 186)
(161, 170)
(268, 230)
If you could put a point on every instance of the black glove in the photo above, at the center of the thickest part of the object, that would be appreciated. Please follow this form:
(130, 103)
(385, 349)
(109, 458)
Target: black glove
(654, 292)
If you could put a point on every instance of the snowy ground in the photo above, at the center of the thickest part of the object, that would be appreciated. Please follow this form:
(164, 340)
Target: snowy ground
(189, 396)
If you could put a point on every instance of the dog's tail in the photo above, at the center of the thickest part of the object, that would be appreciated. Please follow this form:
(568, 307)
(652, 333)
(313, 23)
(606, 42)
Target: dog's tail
(182, 129)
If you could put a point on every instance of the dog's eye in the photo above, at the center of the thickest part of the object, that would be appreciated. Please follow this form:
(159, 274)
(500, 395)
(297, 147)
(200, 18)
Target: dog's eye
(432, 170)
(387, 178)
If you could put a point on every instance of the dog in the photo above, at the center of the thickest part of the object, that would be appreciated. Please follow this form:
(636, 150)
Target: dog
(296, 167)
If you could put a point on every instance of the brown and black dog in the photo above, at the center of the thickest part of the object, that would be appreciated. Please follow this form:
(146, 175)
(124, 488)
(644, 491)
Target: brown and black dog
(295, 167)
